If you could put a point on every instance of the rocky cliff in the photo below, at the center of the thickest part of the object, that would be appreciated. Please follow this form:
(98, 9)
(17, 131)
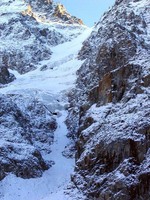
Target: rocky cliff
(109, 113)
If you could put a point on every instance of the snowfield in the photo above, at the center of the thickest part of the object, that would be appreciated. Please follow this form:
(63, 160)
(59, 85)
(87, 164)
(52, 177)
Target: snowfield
(49, 86)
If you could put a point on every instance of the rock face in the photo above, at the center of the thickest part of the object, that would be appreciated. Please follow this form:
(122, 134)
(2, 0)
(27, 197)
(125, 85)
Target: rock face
(109, 113)
(29, 29)
(5, 76)
(26, 131)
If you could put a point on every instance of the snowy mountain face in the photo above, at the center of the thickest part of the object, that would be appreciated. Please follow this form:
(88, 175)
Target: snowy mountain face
(39, 43)
(24, 41)
(109, 111)
(41, 48)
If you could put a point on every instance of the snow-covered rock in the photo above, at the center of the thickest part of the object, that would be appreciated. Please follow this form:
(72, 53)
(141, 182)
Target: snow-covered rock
(26, 131)
(47, 11)
(26, 36)
(109, 113)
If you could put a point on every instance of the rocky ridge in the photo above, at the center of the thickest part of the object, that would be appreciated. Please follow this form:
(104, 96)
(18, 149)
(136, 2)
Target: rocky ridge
(110, 108)
(48, 11)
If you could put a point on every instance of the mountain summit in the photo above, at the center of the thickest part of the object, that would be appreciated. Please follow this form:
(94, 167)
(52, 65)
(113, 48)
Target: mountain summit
(48, 11)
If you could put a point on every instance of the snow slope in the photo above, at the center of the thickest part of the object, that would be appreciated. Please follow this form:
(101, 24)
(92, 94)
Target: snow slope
(48, 86)
(60, 75)
(51, 181)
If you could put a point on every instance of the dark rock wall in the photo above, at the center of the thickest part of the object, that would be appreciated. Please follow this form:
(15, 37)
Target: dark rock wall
(110, 107)
(5, 76)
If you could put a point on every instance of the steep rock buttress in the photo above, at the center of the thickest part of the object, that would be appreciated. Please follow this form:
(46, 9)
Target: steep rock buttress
(109, 114)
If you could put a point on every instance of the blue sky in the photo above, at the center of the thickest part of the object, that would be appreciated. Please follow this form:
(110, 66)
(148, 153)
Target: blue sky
(89, 11)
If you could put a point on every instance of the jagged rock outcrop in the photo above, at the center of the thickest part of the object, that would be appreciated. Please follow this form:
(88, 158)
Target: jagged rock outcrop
(61, 12)
(29, 29)
(50, 11)
(5, 76)
(26, 131)
(110, 108)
